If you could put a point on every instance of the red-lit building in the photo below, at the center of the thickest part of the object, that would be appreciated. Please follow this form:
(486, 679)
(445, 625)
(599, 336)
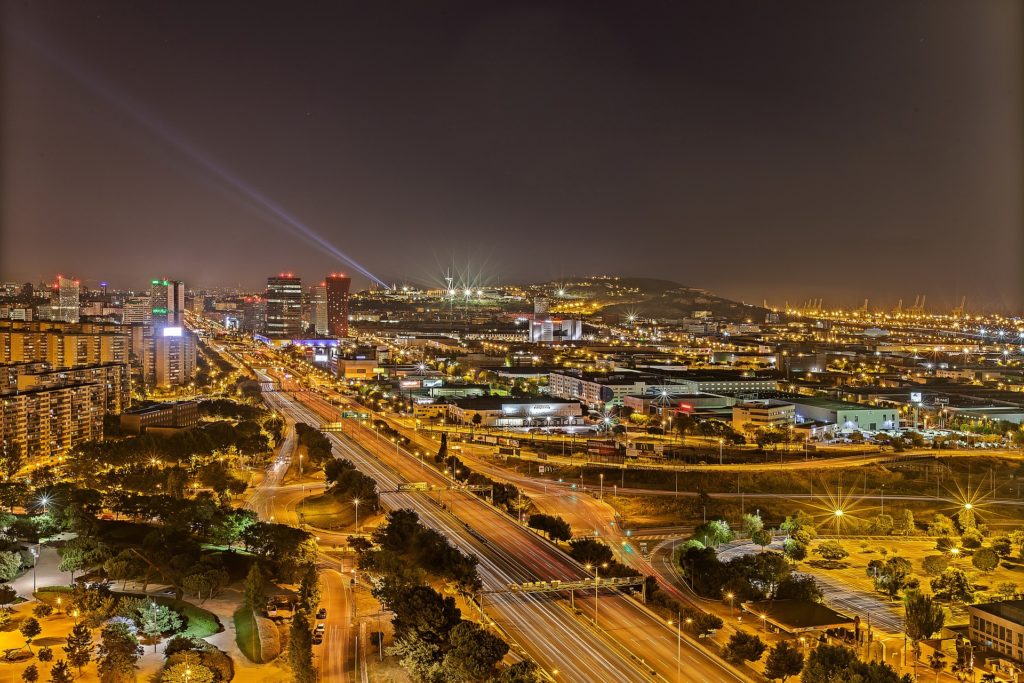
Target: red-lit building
(337, 286)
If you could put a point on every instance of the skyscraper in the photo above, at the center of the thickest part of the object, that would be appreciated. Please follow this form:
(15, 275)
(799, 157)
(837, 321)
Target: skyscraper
(65, 300)
(284, 306)
(320, 309)
(167, 299)
(337, 304)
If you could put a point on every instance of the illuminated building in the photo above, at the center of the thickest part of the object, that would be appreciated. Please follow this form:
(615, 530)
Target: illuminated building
(750, 416)
(64, 345)
(169, 357)
(284, 307)
(500, 411)
(137, 311)
(337, 304)
(49, 421)
(254, 315)
(65, 300)
(167, 302)
(320, 309)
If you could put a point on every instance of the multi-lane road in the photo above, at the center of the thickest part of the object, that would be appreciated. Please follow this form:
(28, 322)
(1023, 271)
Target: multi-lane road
(629, 643)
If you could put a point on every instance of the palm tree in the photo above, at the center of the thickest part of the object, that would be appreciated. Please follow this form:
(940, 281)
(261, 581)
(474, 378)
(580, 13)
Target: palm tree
(937, 662)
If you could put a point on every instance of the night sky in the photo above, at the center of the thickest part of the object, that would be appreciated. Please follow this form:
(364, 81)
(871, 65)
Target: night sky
(759, 149)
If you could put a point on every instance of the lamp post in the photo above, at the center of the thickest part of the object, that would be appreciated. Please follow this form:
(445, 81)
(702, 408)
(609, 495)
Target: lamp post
(602, 486)
(732, 604)
(720, 442)
(356, 503)
(838, 514)
(597, 583)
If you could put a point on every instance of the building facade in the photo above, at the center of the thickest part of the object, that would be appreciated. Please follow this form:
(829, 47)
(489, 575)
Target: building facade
(284, 307)
(337, 304)
(751, 416)
(47, 422)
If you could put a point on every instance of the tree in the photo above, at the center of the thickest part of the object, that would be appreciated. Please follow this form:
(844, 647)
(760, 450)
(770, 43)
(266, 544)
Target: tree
(300, 650)
(934, 565)
(784, 660)
(800, 526)
(1006, 589)
(751, 524)
(971, 538)
(762, 537)
(10, 565)
(185, 672)
(30, 628)
(952, 585)
(891, 575)
(45, 654)
(794, 549)
(78, 646)
(8, 594)
(30, 674)
(156, 619)
(255, 588)
(831, 551)
(1002, 546)
(799, 587)
(923, 617)
(309, 589)
(524, 671)
(903, 523)
(41, 609)
(937, 662)
(743, 646)
(117, 653)
(941, 525)
(985, 559)
(880, 525)
(713, 533)
(60, 673)
(474, 653)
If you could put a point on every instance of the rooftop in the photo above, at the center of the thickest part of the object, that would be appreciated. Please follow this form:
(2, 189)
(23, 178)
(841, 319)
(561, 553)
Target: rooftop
(496, 402)
(798, 615)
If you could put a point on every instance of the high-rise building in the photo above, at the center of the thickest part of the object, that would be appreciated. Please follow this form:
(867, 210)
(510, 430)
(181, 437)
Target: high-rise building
(48, 421)
(337, 304)
(65, 300)
(64, 345)
(137, 311)
(167, 302)
(169, 358)
(320, 309)
(284, 307)
(254, 315)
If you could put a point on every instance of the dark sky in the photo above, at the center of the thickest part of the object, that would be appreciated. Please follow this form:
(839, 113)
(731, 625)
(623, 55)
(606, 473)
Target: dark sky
(760, 149)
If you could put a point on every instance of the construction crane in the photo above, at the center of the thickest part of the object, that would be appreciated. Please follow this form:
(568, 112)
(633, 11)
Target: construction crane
(918, 307)
(863, 310)
(958, 312)
(899, 308)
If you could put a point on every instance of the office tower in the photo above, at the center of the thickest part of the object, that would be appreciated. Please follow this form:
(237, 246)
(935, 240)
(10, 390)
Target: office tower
(170, 357)
(65, 300)
(284, 307)
(320, 309)
(137, 311)
(254, 315)
(167, 302)
(337, 304)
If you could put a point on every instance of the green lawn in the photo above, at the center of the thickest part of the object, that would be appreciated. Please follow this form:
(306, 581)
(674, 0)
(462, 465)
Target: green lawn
(200, 623)
(247, 636)
(326, 511)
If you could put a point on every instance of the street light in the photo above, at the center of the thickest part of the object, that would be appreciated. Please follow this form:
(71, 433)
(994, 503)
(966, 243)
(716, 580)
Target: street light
(597, 582)
(732, 606)
(720, 442)
(356, 503)
(838, 514)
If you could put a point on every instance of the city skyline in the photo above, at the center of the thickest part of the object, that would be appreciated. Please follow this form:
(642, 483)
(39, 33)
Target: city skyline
(758, 158)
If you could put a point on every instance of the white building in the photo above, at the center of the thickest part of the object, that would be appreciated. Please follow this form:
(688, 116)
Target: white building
(763, 414)
(503, 411)
(65, 301)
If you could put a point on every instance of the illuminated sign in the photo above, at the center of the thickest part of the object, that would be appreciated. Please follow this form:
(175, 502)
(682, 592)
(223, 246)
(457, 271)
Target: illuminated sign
(172, 331)
(433, 383)
(915, 397)
(410, 384)
(685, 408)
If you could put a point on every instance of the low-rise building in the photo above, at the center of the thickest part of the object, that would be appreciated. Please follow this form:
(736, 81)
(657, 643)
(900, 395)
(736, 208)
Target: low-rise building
(503, 411)
(750, 416)
(167, 416)
(998, 626)
(845, 416)
(597, 389)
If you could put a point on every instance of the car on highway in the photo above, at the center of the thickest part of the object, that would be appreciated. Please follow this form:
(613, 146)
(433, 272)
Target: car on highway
(318, 638)
(320, 628)
(321, 613)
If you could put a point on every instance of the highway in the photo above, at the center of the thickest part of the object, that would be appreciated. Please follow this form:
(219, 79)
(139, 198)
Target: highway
(631, 644)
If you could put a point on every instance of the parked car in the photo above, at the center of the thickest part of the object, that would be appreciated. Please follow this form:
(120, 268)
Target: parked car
(321, 613)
